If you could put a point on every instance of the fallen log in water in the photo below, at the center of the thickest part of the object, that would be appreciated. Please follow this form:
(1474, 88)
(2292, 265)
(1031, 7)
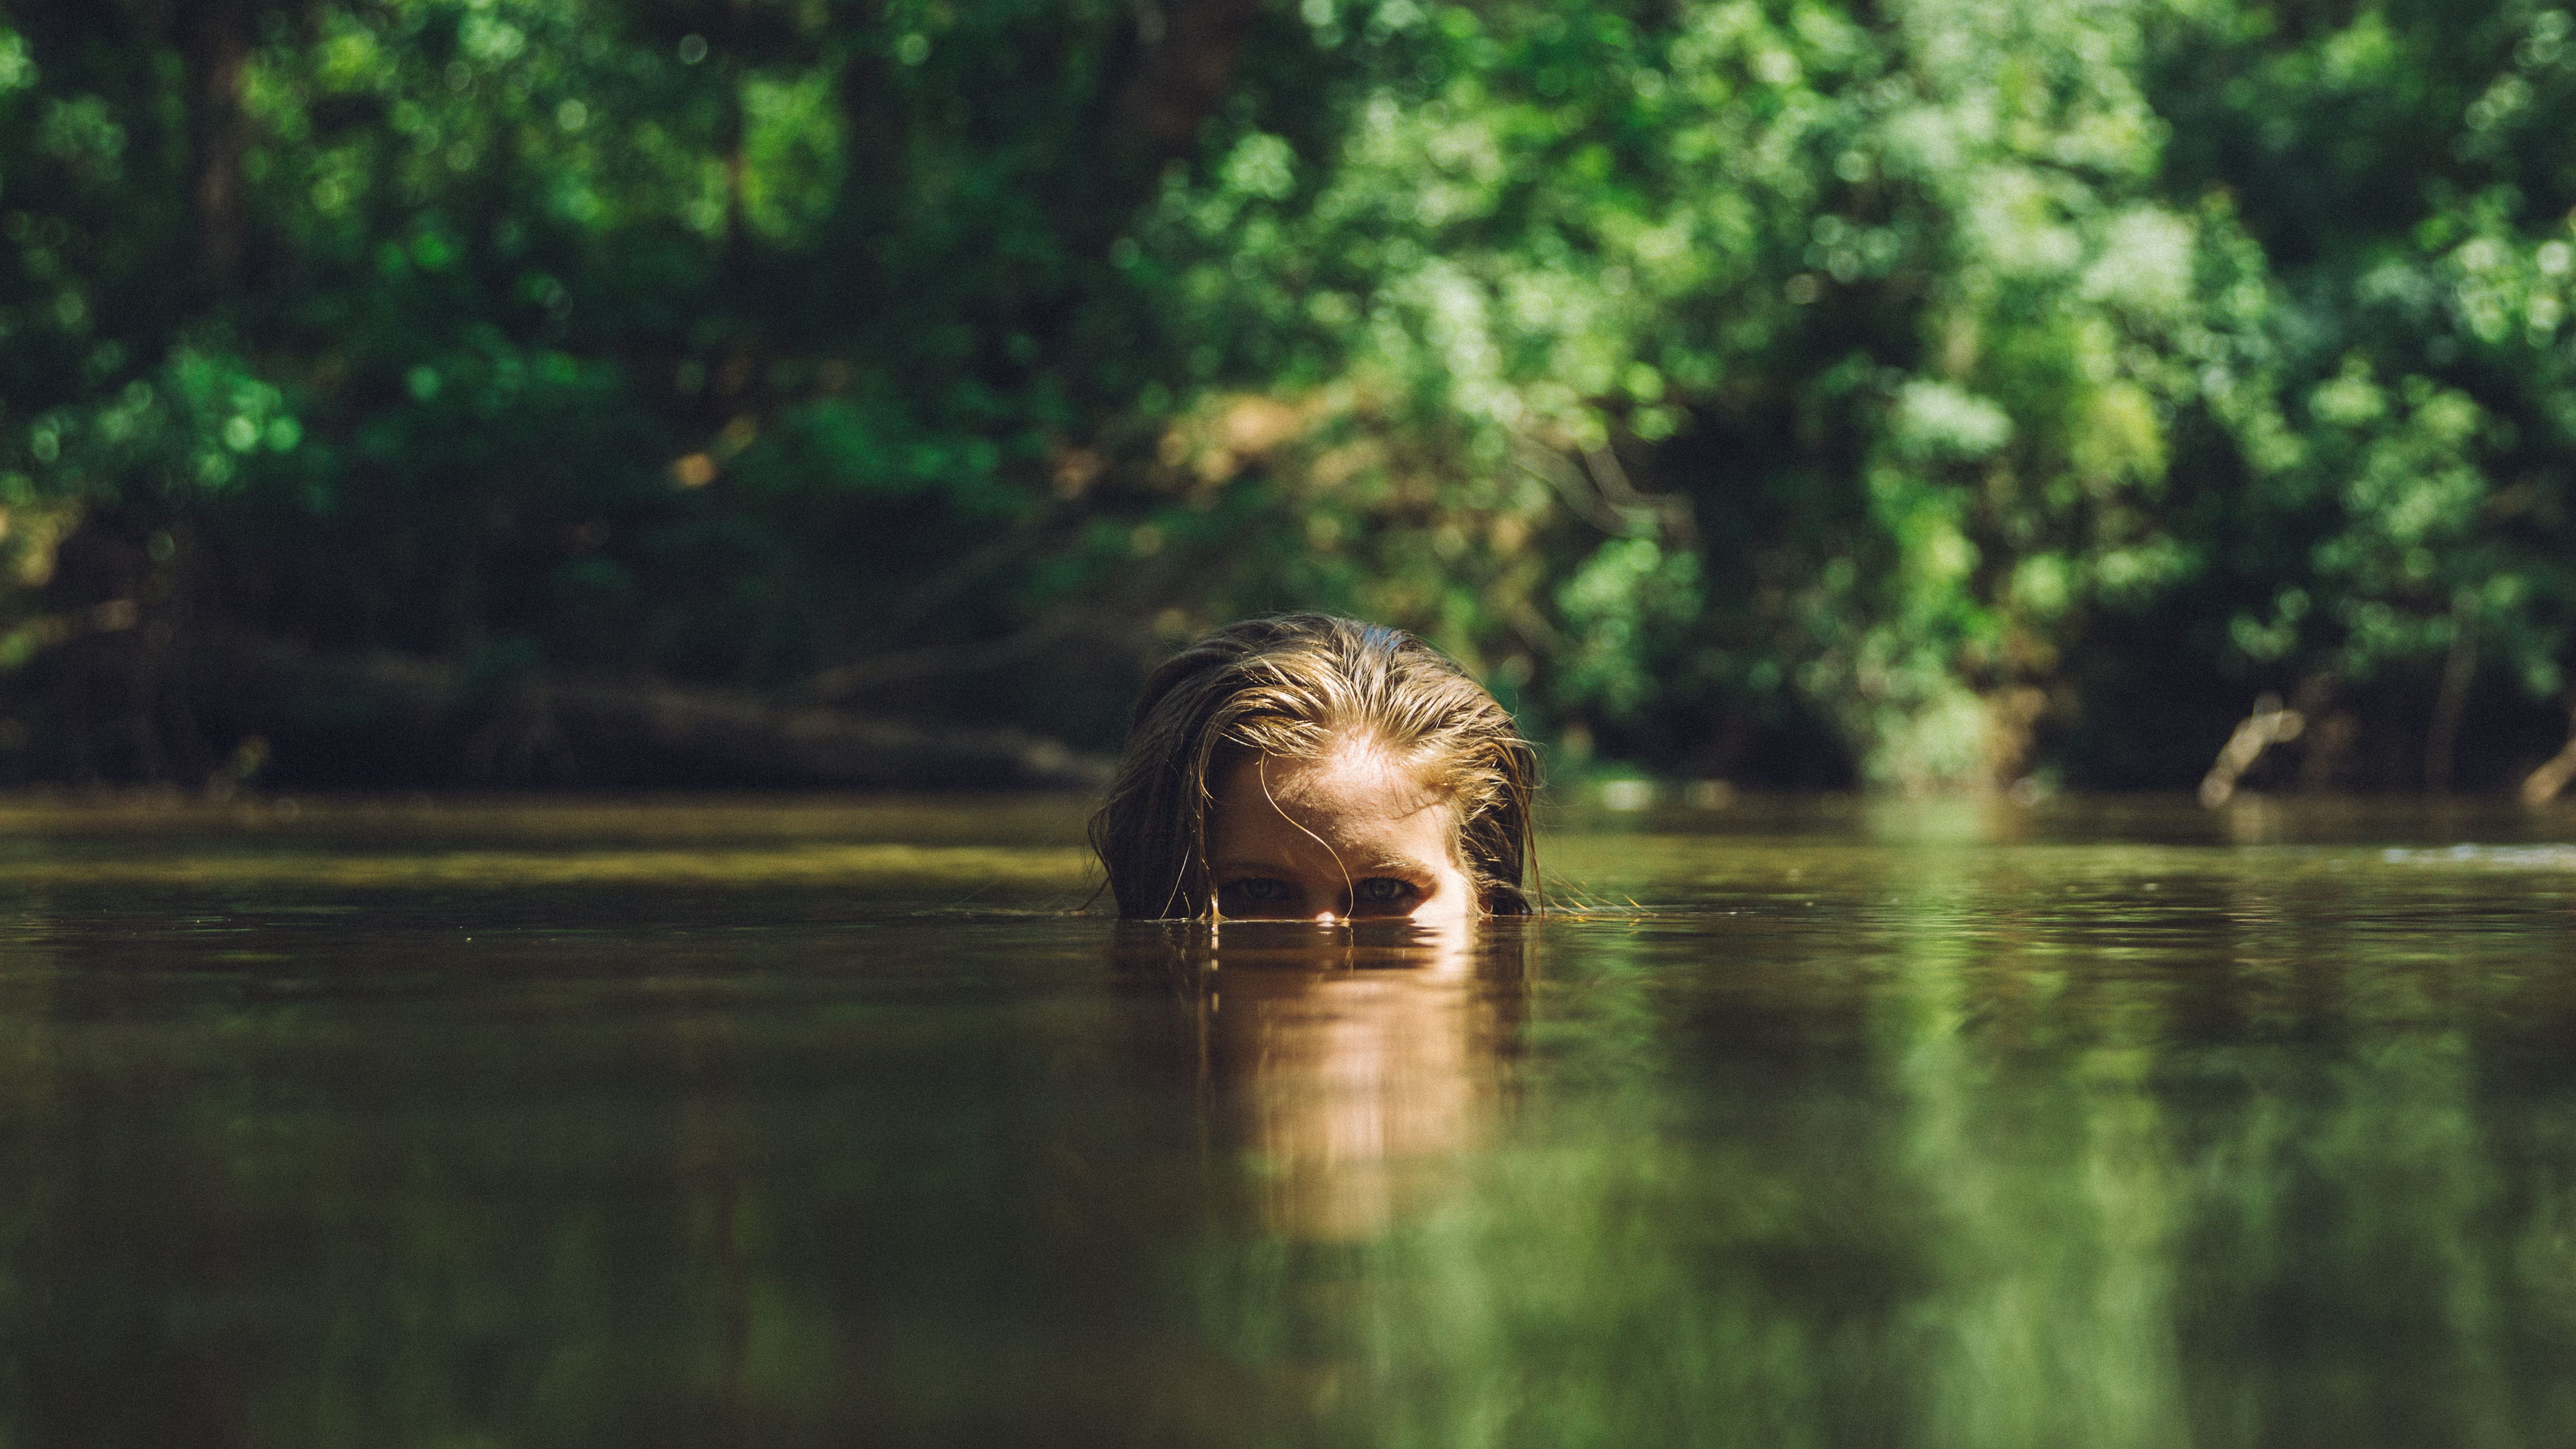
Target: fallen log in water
(2543, 785)
(531, 725)
(2267, 726)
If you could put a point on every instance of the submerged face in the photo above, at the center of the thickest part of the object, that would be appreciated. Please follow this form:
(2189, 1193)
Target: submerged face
(1349, 835)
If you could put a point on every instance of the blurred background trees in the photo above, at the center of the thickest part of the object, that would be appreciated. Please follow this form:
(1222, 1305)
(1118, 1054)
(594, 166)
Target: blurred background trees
(1921, 394)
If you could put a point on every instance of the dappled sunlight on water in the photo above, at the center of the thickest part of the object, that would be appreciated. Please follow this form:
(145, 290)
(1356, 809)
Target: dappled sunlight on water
(1828, 1123)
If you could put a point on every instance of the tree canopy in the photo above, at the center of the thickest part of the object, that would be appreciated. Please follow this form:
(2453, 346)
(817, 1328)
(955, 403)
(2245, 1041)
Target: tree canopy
(1924, 393)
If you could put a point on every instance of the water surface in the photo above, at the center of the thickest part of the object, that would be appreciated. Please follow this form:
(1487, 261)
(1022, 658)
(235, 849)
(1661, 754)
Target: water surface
(825, 1122)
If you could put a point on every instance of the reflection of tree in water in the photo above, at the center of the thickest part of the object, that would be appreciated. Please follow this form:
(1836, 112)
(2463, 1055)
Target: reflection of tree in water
(2272, 1162)
(2020, 1156)
(1352, 1066)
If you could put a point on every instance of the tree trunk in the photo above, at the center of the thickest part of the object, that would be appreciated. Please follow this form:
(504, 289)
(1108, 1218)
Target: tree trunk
(215, 40)
(1189, 49)
(2441, 741)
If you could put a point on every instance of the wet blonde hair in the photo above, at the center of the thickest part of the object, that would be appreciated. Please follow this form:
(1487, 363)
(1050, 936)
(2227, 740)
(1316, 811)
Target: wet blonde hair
(1295, 686)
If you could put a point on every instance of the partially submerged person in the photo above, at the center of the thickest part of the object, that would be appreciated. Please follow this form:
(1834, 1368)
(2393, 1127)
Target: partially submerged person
(1315, 768)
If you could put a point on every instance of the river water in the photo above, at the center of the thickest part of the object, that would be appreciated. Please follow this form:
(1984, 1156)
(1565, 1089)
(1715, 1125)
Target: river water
(825, 1122)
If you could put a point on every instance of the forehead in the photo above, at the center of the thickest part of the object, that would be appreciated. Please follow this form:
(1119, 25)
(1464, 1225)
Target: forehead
(1355, 794)
(1353, 772)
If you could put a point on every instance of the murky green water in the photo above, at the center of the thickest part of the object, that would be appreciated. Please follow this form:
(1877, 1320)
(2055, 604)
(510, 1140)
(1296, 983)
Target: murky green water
(823, 1124)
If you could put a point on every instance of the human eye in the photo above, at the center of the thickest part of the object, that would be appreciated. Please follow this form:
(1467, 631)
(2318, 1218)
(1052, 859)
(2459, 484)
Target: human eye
(1381, 895)
(1254, 895)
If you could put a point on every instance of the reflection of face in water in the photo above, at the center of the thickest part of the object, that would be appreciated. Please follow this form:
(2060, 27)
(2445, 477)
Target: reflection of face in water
(1350, 1067)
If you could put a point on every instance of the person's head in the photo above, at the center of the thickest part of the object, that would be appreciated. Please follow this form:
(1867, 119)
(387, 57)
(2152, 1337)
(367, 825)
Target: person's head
(1308, 767)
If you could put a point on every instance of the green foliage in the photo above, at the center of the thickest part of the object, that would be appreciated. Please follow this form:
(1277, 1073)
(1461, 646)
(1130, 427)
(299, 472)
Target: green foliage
(1887, 319)
(1773, 388)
